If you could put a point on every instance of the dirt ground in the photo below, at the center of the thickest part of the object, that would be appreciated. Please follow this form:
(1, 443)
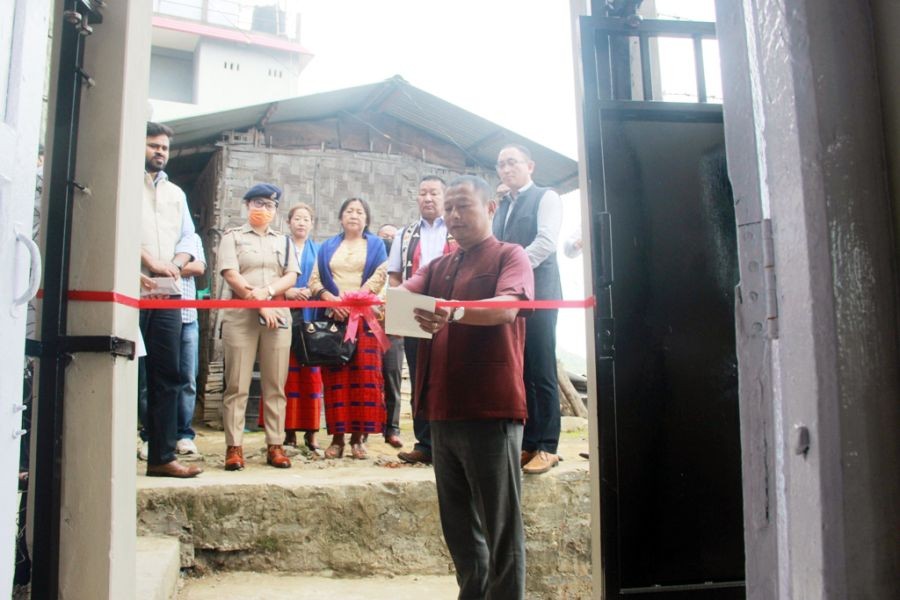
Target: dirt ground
(211, 444)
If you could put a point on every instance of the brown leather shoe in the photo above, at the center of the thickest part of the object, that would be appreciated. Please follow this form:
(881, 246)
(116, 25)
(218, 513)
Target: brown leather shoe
(234, 458)
(526, 457)
(276, 457)
(173, 469)
(393, 440)
(414, 457)
(543, 462)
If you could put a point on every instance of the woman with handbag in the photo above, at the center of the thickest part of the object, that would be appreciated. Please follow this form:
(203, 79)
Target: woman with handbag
(350, 261)
(257, 263)
(303, 388)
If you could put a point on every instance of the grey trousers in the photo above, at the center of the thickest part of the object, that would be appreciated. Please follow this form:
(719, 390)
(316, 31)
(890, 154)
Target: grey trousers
(479, 486)
(391, 366)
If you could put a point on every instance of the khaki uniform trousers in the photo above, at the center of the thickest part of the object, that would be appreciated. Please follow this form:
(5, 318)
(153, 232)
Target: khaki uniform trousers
(243, 336)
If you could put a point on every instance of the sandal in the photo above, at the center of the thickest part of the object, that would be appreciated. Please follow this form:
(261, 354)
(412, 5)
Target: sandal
(335, 451)
(309, 441)
(358, 451)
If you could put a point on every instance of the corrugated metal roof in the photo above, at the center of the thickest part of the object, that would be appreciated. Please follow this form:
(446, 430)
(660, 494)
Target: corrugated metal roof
(479, 138)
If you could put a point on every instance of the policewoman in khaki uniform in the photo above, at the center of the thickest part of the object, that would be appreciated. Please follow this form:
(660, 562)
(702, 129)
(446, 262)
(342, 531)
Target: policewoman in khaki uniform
(257, 263)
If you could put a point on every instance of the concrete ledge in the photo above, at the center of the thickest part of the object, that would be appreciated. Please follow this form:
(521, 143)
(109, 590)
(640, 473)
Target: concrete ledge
(358, 521)
(158, 568)
(315, 587)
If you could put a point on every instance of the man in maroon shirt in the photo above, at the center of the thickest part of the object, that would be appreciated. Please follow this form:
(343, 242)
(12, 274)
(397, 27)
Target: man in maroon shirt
(469, 386)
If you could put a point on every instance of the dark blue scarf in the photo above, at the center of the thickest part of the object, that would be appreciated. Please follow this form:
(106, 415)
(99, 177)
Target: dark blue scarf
(307, 260)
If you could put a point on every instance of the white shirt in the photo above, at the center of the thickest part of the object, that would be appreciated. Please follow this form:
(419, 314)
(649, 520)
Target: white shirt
(432, 239)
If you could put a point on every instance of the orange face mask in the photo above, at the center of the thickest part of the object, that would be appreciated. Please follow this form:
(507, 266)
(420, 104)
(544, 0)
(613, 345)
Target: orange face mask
(260, 217)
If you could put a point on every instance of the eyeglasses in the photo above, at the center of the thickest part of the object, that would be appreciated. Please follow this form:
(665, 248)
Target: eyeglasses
(510, 162)
(267, 204)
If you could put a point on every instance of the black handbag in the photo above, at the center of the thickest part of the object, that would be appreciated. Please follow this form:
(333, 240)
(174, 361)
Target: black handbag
(321, 343)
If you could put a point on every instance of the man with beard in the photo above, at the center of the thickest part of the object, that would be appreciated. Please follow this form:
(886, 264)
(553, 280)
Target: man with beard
(166, 243)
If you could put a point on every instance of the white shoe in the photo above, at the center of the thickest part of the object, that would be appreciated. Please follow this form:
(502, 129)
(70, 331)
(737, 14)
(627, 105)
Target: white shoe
(143, 451)
(186, 446)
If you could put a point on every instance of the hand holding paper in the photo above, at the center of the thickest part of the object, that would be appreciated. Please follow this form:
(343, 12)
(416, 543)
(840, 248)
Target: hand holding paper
(400, 318)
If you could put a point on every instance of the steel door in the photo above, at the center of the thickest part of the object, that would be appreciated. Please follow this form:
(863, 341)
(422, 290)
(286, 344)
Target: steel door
(662, 219)
(23, 31)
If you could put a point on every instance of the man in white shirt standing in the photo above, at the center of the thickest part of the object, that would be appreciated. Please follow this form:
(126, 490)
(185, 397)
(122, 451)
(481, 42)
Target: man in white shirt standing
(415, 246)
(166, 247)
(531, 216)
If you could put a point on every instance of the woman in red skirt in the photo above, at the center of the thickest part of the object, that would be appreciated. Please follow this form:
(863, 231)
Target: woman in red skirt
(354, 393)
(303, 387)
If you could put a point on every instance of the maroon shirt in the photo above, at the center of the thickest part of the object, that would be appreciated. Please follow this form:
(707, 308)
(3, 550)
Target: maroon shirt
(469, 372)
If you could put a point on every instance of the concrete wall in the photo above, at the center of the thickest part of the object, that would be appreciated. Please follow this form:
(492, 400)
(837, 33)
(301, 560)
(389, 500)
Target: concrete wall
(172, 74)
(810, 99)
(97, 538)
(229, 75)
(362, 521)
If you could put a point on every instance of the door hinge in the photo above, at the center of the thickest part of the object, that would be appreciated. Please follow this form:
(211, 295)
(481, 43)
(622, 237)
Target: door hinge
(769, 279)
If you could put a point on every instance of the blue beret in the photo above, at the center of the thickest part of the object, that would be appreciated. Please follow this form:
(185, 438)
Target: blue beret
(264, 190)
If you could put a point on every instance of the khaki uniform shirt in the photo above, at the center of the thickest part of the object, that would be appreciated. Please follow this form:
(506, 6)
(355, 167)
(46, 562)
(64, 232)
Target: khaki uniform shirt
(261, 259)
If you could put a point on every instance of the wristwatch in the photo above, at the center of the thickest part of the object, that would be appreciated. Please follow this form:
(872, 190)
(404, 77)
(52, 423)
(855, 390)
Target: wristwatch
(270, 292)
(456, 314)
(178, 266)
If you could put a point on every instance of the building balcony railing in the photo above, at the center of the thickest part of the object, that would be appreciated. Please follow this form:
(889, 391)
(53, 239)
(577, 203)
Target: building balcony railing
(261, 16)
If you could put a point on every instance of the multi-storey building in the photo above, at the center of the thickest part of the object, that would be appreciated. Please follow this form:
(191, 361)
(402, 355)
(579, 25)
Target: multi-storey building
(209, 55)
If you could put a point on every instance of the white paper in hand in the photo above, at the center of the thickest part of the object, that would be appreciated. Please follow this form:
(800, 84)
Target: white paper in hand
(399, 317)
(168, 287)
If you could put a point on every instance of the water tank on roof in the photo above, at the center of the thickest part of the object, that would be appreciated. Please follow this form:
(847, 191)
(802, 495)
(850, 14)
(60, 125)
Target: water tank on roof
(269, 19)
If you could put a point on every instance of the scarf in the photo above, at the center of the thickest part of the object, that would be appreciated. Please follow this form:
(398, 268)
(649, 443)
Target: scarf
(375, 255)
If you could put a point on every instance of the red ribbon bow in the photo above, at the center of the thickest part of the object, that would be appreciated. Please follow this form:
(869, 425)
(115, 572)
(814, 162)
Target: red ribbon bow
(360, 304)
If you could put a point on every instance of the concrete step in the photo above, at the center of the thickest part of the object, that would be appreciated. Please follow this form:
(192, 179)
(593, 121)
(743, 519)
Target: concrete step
(275, 586)
(356, 518)
(158, 568)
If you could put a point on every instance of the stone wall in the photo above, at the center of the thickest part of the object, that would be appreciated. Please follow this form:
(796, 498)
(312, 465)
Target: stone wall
(322, 178)
(378, 525)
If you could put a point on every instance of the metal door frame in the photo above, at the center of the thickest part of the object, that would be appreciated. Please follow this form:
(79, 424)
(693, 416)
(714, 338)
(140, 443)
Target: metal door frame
(606, 89)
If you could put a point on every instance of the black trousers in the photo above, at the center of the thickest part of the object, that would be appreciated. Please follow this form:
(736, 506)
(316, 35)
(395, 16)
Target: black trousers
(541, 385)
(479, 487)
(391, 366)
(421, 427)
(162, 337)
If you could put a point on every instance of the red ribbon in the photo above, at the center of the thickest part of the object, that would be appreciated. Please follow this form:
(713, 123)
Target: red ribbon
(360, 304)
(372, 300)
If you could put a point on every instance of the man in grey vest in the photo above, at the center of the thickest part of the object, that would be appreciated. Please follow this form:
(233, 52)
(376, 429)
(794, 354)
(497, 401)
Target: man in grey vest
(531, 216)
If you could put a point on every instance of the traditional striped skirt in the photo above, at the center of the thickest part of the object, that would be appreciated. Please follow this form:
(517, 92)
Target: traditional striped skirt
(354, 393)
(303, 390)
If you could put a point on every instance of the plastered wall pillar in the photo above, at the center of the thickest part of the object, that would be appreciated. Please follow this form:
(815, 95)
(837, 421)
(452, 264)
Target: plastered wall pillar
(812, 107)
(97, 539)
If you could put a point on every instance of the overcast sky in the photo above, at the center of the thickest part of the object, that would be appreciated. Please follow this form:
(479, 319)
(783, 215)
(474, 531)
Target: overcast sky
(509, 61)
